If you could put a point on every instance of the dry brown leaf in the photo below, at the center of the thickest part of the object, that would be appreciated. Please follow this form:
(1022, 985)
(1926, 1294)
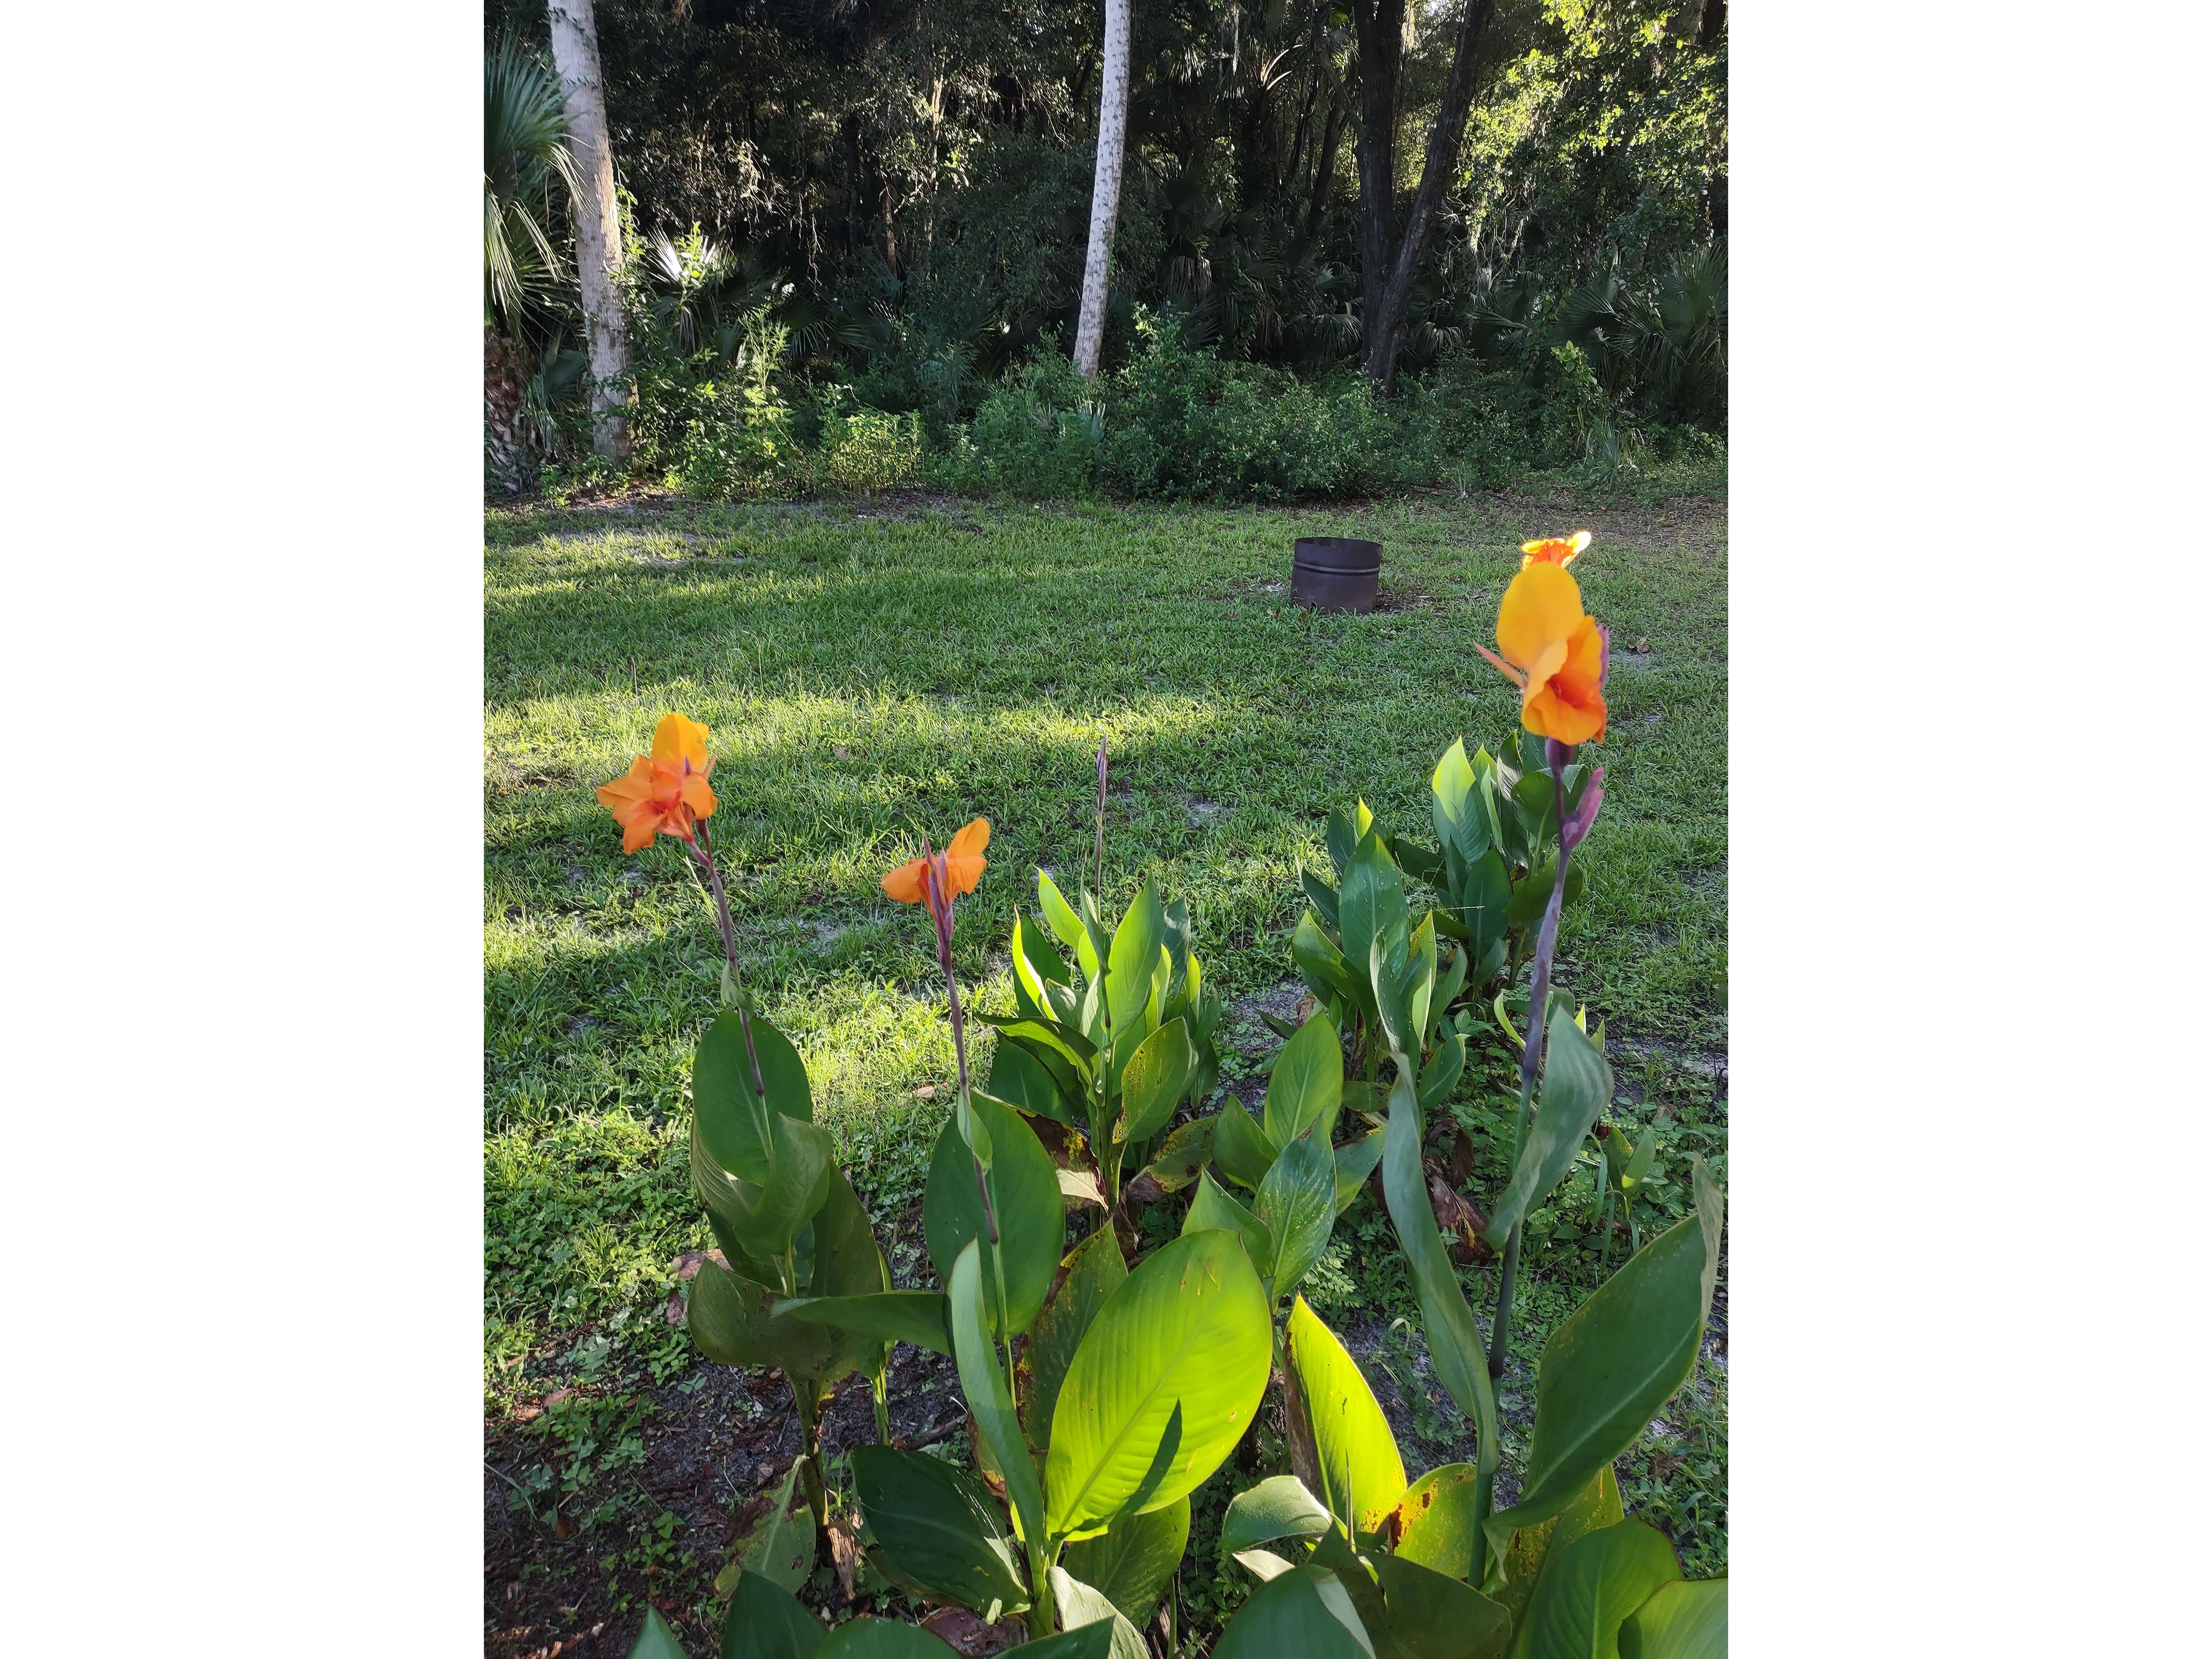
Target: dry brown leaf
(928, 1090)
(686, 1268)
(838, 750)
(1145, 1189)
(844, 1555)
(967, 1633)
(1460, 1220)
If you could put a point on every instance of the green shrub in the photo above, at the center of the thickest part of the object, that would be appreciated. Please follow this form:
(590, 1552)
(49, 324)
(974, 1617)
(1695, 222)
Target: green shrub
(864, 450)
(1036, 437)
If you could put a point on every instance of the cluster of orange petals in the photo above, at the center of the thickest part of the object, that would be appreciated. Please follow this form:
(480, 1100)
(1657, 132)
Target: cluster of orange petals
(1554, 550)
(940, 877)
(1550, 648)
(664, 793)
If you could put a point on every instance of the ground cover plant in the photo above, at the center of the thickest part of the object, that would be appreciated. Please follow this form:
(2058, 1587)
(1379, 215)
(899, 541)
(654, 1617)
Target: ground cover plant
(964, 657)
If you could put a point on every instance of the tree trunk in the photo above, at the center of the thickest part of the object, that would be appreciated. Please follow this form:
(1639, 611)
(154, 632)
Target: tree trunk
(504, 455)
(599, 224)
(1379, 30)
(1105, 189)
(1386, 282)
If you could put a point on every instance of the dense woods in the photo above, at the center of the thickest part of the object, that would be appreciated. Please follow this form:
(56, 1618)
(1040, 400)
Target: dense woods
(880, 211)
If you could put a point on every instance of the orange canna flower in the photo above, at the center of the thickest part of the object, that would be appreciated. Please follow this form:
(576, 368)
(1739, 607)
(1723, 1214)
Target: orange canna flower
(1554, 653)
(663, 794)
(940, 877)
(1554, 550)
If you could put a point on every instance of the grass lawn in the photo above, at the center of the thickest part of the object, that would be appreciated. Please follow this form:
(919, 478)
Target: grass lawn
(872, 673)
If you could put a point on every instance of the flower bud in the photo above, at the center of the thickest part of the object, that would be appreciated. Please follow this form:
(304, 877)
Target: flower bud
(1584, 814)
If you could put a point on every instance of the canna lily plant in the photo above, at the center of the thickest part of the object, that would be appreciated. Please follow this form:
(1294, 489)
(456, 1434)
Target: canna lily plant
(786, 1218)
(1102, 1395)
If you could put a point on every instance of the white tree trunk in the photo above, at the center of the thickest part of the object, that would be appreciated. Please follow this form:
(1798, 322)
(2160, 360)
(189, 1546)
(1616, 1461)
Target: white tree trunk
(1105, 188)
(599, 223)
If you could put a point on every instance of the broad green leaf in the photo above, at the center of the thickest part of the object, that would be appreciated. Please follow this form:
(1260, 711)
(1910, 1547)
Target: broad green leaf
(763, 1220)
(1212, 1206)
(1263, 1564)
(782, 1547)
(1423, 983)
(1132, 1560)
(1322, 964)
(1454, 1349)
(1136, 959)
(1355, 1161)
(1091, 1641)
(1432, 1616)
(1081, 1606)
(1685, 1619)
(1483, 897)
(1297, 1202)
(1436, 1521)
(1442, 1073)
(1071, 1046)
(1306, 1087)
(985, 1386)
(1189, 1144)
(1357, 1470)
(1395, 979)
(1242, 1151)
(766, 1621)
(1021, 1080)
(1373, 896)
(1067, 927)
(1453, 804)
(655, 1640)
(882, 1638)
(939, 1527)
(1577, 1085)
(1587, 1590)
(1095, 1268)
(729, 1114)
(915, 1317)
(1152, 1082)
(1341, 838)
(1610, 1366)
(1163, 1386)
(731, 1319)
(846, 1262)
(1596, 1506)
(1320, 895)
(1025, 1195)
(1035, 958)
(1294, 1616)
(1278, 1507)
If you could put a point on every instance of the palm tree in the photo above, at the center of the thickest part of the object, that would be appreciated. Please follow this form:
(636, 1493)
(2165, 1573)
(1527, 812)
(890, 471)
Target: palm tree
(599, 221)
(1105, 188)
(525, 149)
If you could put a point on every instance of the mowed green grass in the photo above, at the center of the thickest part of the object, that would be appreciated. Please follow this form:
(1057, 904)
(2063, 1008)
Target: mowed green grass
(873, 674)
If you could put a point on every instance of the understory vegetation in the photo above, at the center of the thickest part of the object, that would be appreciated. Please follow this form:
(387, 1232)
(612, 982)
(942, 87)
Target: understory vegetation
(878, 670)
(853, 243)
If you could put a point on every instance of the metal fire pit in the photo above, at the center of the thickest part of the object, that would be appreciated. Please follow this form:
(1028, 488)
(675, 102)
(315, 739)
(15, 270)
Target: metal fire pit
(1335, 573)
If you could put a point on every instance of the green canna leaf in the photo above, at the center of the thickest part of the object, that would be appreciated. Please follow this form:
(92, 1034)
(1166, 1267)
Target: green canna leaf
(1025, 1195)
(1589, 1589)
(1131, 1562)
(1163, 1385)
(1686, 1619)
(1577, 1085)
(1305, 1089)
(939, 1527)
(1337, 1428)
